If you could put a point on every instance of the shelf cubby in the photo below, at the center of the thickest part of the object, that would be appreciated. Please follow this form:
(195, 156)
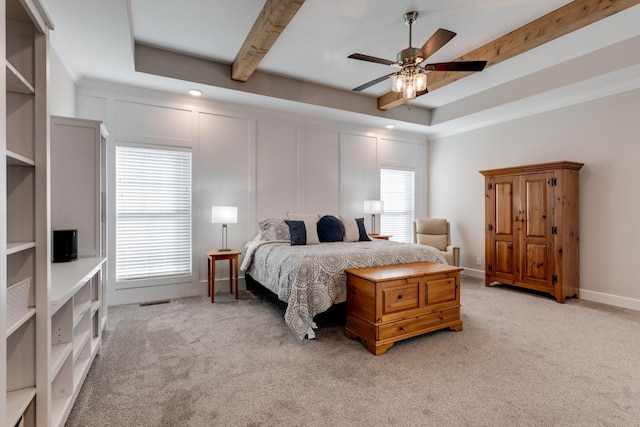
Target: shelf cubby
(16, 82)
(81, 346)
(15, 159)
(21, 362)
(62, 392)
(96, 329)
(61, 337)
(20, 302)
(20, 124)
(81, 326)
(20, 204)
(31, 312)
(21, 404)
(20, 49)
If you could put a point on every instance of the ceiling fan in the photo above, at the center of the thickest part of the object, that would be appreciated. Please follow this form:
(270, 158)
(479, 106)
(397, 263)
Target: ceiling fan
(411, 80)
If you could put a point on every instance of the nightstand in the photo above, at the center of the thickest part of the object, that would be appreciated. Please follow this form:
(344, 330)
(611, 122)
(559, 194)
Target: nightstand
(380, 236)
(218, 255)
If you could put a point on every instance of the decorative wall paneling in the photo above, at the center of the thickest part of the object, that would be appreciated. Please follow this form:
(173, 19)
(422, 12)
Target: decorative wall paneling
(263, 161)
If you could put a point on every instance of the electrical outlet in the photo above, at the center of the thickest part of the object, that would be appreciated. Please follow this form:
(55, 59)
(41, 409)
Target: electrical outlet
(479, 261)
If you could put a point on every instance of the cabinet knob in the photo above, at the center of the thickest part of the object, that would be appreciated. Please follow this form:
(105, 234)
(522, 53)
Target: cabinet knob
(400, 296)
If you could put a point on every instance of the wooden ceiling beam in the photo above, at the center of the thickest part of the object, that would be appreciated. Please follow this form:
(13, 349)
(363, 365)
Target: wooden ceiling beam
(568, 18)
(271, 22)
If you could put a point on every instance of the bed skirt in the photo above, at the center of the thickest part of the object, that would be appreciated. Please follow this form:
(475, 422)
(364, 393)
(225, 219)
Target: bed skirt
(335, 315)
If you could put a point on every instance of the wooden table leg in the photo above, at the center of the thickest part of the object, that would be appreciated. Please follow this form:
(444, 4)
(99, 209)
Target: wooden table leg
(208, 276)
(213, 278)
(236, 270)
(230, 275)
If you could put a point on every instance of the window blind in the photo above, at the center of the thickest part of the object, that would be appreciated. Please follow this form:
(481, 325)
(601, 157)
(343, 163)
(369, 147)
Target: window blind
(153, 213)
(397, 191)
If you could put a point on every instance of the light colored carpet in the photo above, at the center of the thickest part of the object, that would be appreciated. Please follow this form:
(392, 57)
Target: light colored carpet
(521, 360)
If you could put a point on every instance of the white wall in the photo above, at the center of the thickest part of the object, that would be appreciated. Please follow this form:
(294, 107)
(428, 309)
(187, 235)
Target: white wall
(604, 135)
(263, 161)
(62, 88)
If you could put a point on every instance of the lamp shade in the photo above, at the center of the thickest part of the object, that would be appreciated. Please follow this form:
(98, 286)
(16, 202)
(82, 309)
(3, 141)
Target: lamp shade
(373, 206)
(224, 214)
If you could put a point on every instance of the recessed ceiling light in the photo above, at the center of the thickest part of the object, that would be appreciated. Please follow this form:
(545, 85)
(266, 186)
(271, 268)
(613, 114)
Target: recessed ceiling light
(195, 92)
(390, 126)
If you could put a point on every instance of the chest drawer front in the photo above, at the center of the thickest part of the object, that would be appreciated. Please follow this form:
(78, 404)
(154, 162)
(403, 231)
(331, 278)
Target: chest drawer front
(441, 290)
(400, 298)
(418, 324)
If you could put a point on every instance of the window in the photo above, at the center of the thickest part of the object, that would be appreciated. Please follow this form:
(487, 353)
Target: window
(153, 213)
(397, 191)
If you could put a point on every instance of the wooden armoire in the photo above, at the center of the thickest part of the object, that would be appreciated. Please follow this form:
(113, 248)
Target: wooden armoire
(532, 227)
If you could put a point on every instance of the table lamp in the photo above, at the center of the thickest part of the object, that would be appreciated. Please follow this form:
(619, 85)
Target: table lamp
(224, 215)
(373, 207)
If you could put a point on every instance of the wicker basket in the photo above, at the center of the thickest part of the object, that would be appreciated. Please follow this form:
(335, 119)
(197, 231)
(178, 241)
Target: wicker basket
(19, 298)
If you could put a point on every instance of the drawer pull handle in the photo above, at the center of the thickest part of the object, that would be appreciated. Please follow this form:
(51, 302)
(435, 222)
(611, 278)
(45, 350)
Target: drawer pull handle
(401, 328)
(442, 318)
(400, 296)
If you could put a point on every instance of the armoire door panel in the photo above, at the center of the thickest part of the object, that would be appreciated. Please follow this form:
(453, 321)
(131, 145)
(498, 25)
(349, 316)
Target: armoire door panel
(504, 262)
(536, 263)
(534, 235)
(535, 206)
(504, 208)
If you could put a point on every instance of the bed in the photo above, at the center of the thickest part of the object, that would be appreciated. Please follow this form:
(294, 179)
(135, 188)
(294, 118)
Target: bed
(310, 278)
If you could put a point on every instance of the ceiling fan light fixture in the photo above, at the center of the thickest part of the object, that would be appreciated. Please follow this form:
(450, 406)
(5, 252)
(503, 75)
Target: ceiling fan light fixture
(421, 81)
(398, 82)
(409, 91)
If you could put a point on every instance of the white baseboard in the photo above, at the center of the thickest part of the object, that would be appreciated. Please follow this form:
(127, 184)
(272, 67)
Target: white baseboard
(157, 293)
(164, 292)
(609, 299)
(472, 272)
(585, 294)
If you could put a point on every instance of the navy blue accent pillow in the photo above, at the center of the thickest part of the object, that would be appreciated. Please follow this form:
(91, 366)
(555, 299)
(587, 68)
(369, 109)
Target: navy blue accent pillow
(364, 237)
(303, 232)
(298, 232)
(330, 229)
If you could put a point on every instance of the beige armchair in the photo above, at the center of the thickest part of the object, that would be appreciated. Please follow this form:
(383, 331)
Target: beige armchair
(436, 232)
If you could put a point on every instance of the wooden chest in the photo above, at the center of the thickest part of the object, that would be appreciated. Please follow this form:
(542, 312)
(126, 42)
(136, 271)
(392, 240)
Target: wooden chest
(390, 303)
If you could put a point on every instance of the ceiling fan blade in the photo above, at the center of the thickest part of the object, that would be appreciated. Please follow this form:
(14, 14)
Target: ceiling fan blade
(437, 40)
(372, 82)
(371, 59)
(457, 66)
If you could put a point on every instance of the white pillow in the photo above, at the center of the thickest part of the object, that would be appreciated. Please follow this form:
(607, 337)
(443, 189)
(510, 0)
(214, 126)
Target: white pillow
(302, 217)
(351, 231)
(312, 231)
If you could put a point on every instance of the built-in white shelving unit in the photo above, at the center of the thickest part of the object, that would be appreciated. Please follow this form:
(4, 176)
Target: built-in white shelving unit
(77, 294)
(24, 205)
